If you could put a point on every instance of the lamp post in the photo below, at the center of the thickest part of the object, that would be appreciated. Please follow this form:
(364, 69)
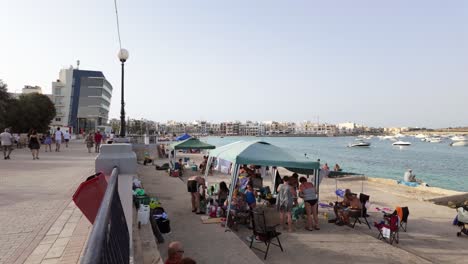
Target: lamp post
(123, 56)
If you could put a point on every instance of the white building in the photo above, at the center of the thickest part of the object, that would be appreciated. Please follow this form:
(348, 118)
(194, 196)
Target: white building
(82, 99)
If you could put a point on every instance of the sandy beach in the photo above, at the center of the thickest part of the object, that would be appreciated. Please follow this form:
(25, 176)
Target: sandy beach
(431, 237)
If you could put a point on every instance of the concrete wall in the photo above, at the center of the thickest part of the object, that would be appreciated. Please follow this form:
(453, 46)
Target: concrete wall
(122, 156)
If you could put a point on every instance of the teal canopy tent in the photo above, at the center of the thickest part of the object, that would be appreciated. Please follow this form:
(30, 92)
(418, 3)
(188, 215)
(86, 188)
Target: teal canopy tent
(191, 143)
(263, 154)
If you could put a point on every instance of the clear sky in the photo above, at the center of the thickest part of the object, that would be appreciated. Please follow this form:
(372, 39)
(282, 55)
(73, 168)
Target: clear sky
(381, 63)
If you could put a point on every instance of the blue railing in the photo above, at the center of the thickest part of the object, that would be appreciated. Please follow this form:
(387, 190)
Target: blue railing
(109, 240)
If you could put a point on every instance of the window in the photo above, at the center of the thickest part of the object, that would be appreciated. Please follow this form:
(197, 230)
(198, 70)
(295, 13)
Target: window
(58, 91)
(58, 100)
(58, 119)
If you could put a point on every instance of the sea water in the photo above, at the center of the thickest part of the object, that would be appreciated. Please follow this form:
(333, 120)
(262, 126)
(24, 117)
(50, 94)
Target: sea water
(438, 164)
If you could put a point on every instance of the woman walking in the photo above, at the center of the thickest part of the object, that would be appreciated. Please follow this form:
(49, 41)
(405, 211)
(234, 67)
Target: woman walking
(34, 144)
(308, 192)
(89, 141)
(48, 142)
(285, 202)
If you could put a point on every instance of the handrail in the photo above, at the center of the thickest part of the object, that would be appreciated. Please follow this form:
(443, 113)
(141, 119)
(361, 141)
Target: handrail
(109, 238)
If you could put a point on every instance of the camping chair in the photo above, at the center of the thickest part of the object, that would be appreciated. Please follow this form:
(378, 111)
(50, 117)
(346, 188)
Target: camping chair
(389, 231)
(357, 214)
(402, 213)
(263, 232)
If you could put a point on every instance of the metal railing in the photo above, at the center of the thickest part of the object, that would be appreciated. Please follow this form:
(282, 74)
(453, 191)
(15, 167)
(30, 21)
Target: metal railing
(109, 241)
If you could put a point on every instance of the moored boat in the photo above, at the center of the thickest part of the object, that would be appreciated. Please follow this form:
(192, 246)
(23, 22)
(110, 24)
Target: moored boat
(360, 144)
(459, 143)
(401, 143)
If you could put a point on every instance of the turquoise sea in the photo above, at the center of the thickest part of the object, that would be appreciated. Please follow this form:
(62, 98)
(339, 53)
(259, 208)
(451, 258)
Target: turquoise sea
(438, 164)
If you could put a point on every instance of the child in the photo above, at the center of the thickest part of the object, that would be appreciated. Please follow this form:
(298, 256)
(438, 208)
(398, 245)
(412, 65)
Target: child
(250, 196)
(48, 142)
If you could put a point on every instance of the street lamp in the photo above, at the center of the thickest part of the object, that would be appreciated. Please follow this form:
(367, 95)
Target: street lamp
(123, 56)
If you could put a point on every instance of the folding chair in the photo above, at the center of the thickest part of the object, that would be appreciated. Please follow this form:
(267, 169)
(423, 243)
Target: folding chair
(262, 232)
(356, 214)
(392, 226)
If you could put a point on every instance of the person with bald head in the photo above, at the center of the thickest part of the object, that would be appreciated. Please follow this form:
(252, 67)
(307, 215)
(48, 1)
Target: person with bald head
(175, 253)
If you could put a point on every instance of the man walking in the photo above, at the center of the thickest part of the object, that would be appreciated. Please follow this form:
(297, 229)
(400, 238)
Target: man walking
(58, 139)
(66, 137)
(97, 140)
(7, 140)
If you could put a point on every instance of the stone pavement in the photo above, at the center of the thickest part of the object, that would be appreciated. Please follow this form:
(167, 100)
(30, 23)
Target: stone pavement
(430, 238)
(38, 222)
(204, 243)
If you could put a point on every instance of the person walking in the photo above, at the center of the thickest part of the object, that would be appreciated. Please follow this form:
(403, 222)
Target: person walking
(48, 142)
(34, 144)
(308, 193)
(7, 141)
(175, 253)
(89, 140)
(97, 141)
(58, 139)
(66, 137)
(285, 202)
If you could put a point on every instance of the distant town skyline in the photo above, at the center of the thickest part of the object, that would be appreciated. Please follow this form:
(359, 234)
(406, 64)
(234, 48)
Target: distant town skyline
(382, 64)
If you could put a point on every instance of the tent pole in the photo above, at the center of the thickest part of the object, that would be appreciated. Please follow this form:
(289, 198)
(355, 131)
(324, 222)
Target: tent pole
(207, 168)
(234, 176)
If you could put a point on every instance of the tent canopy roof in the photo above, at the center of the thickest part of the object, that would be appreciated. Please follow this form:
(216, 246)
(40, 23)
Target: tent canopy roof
(191, 143)
(265, 154)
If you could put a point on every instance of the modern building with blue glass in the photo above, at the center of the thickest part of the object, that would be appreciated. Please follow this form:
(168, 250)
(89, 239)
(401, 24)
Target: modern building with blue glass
(82, 99)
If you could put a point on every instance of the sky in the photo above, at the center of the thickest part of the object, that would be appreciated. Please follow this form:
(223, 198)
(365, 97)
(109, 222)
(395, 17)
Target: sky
(379, 63)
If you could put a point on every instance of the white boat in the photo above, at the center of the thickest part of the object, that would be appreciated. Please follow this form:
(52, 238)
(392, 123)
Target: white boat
(420, 136)
(401, 143)
(434, 140)
(458, 138)
(459, 143)
(360, 144)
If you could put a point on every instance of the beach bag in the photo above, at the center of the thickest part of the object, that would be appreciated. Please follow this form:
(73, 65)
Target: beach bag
(164, 225)
(462, 215)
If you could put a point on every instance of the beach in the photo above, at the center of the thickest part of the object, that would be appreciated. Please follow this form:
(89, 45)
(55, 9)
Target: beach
(431, 237)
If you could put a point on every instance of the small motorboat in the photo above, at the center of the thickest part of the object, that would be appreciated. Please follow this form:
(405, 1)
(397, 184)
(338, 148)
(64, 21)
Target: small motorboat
(401, 143)
(434, 140)
(458, 138)
(459, 143)
(360, 144)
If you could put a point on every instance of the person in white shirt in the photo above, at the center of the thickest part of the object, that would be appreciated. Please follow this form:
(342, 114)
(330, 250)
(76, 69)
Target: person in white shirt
(410, 177)
(66, 136)
(58, 139)
(7, 141)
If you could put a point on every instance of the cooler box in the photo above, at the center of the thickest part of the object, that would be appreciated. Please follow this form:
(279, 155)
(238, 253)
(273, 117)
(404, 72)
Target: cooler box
(88, 196)
(194, 167)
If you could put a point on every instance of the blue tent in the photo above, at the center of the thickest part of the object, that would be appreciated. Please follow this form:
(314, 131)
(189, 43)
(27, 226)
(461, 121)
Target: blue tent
(184, 136)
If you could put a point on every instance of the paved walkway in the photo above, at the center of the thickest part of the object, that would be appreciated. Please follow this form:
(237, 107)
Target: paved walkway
(430, 238)
(204, 243)
(38, 224)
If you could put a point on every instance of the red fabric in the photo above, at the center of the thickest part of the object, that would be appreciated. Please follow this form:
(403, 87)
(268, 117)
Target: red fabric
(98, 138)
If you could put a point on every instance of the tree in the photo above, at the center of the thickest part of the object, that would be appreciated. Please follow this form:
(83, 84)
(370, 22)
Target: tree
(30, 111)
(5, 100)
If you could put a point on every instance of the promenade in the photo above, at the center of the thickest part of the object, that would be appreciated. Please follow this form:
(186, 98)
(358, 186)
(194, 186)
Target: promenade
(38, 221)
(430, 238)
